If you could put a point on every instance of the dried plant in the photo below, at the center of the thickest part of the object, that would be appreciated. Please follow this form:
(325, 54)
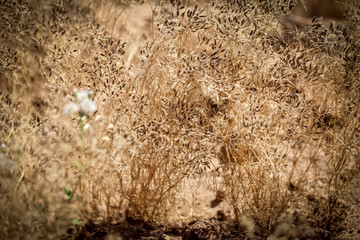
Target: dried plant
(218, 91)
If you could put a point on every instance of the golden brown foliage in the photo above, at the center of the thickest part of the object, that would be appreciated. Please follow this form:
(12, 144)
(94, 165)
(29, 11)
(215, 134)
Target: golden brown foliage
(217, 91)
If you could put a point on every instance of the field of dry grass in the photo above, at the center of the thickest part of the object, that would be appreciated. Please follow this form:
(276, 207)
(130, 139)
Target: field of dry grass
(178, 120)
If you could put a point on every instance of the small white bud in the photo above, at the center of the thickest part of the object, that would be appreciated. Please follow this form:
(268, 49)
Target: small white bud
(90, 94)
(105, 138)
(110, 126)
(3, 147)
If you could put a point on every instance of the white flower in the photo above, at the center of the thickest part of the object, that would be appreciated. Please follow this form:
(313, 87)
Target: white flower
(87, 106)
(81, 96)
(84, 104)
(71, 108)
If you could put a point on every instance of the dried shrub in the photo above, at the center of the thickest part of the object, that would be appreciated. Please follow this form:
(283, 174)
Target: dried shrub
(218, 91)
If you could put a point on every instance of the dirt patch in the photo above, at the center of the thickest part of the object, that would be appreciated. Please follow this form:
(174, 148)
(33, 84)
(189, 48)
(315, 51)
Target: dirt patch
(201, 230)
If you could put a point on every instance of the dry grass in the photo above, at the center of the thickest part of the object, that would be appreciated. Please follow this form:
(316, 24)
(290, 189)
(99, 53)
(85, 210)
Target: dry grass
(218, 89)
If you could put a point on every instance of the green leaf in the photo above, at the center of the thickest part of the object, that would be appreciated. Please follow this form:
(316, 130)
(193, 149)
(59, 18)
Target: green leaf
(76, 221)
(69, 193)
(79, 166)
(36, 205)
